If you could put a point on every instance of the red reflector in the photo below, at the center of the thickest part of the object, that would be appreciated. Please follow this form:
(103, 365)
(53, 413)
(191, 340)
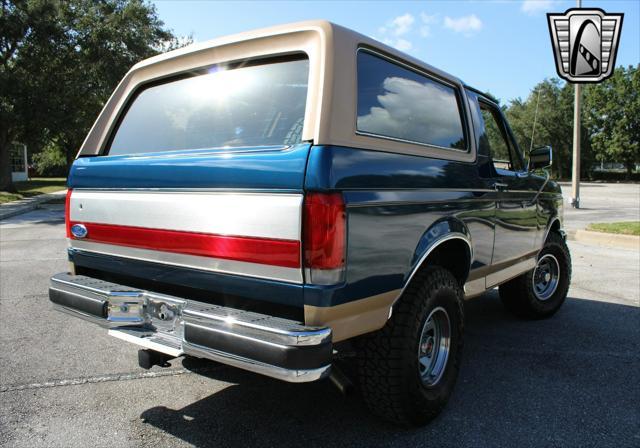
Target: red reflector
(324, 231)
(67, 213)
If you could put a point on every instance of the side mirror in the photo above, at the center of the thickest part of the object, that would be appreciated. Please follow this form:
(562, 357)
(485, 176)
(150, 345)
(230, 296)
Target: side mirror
(540, 158)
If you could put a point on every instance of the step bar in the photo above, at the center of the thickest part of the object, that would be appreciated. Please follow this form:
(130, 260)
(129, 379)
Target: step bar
(272, 346)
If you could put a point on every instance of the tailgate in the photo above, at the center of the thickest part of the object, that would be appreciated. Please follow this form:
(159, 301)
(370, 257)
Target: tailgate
(234, 213)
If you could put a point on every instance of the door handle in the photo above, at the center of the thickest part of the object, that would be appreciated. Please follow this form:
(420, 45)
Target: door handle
(500, 186)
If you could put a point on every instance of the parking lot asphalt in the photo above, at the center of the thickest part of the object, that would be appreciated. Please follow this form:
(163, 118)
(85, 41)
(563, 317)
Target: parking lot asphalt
(601, 202)
(571, 380)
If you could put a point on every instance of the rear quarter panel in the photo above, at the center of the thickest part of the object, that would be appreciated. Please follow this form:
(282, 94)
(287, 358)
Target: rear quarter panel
(393, 202)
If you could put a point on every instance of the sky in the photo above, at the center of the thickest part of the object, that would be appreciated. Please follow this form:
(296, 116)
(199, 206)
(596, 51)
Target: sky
(502, 47)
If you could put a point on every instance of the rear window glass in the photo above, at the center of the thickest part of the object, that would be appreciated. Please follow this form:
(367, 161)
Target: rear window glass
(399, 103)
(261, 104)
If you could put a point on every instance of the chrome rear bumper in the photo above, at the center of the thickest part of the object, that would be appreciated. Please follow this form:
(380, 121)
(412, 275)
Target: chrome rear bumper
(268, 345)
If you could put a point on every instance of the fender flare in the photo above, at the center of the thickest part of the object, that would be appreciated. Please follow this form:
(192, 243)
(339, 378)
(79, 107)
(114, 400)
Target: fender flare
(439, 233)
(550, 224)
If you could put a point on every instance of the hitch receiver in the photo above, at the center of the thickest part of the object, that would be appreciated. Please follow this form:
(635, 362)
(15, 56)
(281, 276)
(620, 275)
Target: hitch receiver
(150, 358)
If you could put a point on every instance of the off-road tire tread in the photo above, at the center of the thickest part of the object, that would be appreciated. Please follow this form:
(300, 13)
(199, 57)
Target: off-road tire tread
(517, 295)
(382, 373)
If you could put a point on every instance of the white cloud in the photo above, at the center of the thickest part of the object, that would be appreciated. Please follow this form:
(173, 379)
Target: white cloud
(465, 24)
(426, 18)
(427, 21)
(401, 24)
(533, 7)
(399, 43)
(403, 45)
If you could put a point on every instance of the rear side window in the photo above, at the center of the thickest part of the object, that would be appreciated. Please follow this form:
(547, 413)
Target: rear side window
(256, 104)
(398, 103)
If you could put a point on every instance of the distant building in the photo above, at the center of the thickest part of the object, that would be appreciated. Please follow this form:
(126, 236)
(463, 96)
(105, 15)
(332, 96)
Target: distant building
(19, 163)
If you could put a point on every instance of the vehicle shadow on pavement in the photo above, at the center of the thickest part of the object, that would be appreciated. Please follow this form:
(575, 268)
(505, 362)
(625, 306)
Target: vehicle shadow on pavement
(46, 214)
(568, 380)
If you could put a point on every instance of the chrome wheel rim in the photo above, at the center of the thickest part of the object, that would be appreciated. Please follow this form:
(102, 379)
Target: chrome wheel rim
(433, 350)
(546, 277)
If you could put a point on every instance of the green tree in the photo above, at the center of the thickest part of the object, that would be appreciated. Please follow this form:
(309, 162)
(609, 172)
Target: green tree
(554, 124)
(60, 61)
(612, 113)
(51, 160)
(30, 36)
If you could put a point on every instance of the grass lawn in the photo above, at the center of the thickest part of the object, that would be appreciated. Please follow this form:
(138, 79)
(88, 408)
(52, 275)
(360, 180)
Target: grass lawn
(34, 187)
(624, 228)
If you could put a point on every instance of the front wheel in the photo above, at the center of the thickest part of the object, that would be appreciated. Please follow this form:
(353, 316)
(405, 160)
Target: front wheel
(407, 370)
(540, 292)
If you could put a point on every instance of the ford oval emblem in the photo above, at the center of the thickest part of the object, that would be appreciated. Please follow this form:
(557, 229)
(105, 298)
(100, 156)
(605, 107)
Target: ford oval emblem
(79, 230)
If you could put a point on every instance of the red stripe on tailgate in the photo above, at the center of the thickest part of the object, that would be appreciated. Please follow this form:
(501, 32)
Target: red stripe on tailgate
(285, 253)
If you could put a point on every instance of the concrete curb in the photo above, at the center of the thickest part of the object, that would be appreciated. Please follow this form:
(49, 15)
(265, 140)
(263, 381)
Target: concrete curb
(15, 208)
(605, 239)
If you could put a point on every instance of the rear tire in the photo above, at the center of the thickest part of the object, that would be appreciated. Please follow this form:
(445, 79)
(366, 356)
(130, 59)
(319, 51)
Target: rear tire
(408, 369)
(540, 292)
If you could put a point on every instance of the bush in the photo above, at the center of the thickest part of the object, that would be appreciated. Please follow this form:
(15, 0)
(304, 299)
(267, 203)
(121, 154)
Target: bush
(51, 161)
(614, 176)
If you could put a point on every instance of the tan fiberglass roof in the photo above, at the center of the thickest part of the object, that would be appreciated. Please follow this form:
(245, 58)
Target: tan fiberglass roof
(331, 103)
(334, 32)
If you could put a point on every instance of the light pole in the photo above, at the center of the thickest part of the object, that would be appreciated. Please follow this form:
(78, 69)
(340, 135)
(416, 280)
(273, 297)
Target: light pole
(575, 172)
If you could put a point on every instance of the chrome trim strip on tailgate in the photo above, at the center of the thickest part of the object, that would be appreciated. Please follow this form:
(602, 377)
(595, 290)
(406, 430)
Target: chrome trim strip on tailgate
(292, 275)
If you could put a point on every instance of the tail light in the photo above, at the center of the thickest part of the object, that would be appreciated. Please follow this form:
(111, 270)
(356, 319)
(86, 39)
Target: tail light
(324, 239)
(67, 213)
